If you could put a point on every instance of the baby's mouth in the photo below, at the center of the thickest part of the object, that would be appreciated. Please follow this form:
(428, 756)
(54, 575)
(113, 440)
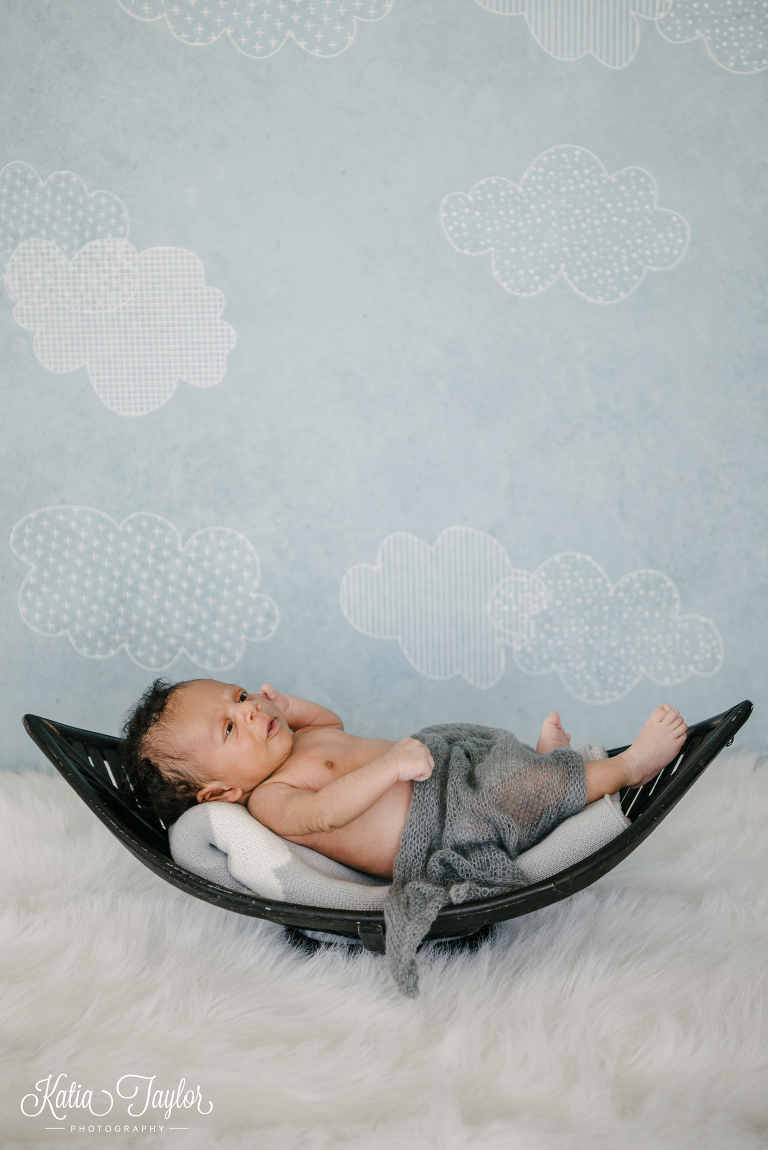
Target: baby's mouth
(273, 728)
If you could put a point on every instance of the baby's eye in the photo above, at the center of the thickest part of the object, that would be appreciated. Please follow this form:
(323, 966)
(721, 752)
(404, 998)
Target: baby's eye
(243, 696)
(228, 731)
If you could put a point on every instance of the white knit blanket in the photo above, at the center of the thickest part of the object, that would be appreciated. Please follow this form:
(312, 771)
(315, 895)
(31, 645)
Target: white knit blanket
(224, 843)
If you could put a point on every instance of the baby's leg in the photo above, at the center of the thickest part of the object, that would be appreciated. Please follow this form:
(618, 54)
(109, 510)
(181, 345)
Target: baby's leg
(552, 735)
(660, 741)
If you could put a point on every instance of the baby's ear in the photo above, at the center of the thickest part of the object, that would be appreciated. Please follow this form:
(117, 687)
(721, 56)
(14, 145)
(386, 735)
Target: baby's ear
(218, 792)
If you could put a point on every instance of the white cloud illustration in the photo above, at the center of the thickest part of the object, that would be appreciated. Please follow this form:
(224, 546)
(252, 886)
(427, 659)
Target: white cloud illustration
(138, 321)
(432, 600)
(513, 606)
(735, 31)
(568, 217)
(58, 209)
(452, 606)
(320, 27)
(134, 586)
(602, 639)
(606, 29)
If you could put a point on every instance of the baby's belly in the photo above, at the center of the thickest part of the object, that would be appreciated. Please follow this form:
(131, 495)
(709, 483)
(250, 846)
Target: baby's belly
(371, 841)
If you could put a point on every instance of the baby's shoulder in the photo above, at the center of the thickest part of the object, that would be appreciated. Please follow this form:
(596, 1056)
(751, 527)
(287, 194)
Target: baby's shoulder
(294, 772)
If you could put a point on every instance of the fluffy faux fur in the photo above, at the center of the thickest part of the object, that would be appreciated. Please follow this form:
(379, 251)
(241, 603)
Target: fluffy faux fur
(630, 1017)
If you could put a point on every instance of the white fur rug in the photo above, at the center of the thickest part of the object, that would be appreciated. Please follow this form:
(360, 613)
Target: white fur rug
(630, 1017)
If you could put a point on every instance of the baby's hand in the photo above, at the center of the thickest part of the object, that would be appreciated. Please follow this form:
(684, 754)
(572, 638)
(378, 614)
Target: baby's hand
(276, 697)
(414, 760)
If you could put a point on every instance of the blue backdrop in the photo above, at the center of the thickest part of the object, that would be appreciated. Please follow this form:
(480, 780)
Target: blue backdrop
(265, 418)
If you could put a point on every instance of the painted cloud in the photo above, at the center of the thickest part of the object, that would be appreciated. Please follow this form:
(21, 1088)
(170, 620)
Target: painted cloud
(134, 586)
(568, 218)
(320, 27)
(602, 639)
(432, 600)
(139, 321)
(606, 29)
(734, 31)
(58, 209)
(453, 605)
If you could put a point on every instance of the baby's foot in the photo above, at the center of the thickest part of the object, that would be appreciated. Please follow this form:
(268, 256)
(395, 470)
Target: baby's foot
(552, 735)
(659, 742)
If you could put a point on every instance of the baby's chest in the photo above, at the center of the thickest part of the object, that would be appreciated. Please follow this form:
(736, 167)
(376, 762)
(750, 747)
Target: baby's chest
(315, 769)
(318, 766)
(321, 758)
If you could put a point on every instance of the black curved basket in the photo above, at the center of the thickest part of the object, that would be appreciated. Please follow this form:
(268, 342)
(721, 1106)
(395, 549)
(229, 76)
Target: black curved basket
(91, 764)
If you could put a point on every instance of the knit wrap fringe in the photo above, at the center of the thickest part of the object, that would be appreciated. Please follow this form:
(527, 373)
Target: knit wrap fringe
(489, 798)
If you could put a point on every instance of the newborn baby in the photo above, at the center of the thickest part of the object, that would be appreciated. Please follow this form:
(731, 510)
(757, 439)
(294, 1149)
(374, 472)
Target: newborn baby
(302, 775)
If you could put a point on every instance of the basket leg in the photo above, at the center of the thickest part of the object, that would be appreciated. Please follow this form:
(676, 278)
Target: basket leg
(371, 934)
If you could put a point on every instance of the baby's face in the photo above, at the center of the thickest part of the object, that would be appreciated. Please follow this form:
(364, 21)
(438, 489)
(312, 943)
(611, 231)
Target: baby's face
(236, 738)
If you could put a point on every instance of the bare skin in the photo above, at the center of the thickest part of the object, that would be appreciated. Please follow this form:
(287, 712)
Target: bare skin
(552, 735)
(660, 740)
(302, 775)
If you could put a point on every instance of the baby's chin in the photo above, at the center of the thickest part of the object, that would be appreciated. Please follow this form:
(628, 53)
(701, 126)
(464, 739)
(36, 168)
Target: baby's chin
(280, 747)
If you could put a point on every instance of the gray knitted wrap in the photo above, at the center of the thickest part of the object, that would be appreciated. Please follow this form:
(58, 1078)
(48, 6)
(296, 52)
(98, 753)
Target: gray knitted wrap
(489, 798)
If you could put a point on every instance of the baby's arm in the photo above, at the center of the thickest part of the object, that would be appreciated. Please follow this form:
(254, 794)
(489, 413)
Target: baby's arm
(299, 712)
(289, 810)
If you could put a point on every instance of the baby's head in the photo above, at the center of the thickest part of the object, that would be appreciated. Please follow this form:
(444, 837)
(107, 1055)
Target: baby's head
(201, 741)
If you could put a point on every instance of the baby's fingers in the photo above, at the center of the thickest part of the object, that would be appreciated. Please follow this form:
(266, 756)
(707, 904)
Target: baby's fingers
(428, 767)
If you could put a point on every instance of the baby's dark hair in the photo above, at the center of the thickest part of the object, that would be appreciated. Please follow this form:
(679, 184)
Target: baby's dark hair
(162, 780)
